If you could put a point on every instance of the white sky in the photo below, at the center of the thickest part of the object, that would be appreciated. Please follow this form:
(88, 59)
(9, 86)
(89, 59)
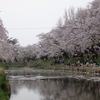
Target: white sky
(43, 14)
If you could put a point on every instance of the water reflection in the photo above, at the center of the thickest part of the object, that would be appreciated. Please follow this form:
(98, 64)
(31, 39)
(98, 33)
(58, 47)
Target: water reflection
(63, 89)
(25, 94)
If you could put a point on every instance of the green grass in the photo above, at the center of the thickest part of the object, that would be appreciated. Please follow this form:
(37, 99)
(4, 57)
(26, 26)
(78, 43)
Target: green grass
(41, 63)
(15, 65)
(45, 64)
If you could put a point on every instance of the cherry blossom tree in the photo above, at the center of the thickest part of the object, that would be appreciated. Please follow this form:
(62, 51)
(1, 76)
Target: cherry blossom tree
(7, 52)
(79, 31)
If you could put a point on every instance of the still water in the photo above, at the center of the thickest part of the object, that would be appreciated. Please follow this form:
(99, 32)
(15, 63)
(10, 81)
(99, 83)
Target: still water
(55, 89)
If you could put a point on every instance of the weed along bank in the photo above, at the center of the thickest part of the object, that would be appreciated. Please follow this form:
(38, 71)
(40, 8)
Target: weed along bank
(5, 90)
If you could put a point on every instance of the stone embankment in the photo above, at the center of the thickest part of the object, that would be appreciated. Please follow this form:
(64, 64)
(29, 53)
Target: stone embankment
(71, 73)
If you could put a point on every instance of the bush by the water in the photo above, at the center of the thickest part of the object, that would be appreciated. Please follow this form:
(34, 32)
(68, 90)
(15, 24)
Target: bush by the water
(4, 86)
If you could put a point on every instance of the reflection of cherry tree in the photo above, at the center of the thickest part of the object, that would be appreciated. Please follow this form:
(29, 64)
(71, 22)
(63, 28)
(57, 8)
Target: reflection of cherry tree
(59, 89)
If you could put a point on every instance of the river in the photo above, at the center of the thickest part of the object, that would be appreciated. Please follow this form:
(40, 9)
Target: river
(41, 88)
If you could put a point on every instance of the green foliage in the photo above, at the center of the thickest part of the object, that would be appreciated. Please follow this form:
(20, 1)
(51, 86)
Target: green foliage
(3, 95)
(13, 41)
(2, 65)
(4, 86)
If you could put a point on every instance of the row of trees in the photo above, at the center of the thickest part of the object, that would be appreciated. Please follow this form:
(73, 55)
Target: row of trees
(76, 33)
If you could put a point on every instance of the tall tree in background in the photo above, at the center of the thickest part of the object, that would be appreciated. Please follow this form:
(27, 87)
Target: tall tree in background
(13, 41)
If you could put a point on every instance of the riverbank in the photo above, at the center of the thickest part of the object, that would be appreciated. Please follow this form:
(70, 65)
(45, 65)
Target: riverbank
(39, 64)
(30, 73)
(57, 70)
(4, 86)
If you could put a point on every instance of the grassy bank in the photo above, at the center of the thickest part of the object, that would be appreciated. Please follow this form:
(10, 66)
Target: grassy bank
(46, 64)
(4, 86)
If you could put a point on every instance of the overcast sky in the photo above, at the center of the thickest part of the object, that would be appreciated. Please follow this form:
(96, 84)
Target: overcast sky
(24, 19)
